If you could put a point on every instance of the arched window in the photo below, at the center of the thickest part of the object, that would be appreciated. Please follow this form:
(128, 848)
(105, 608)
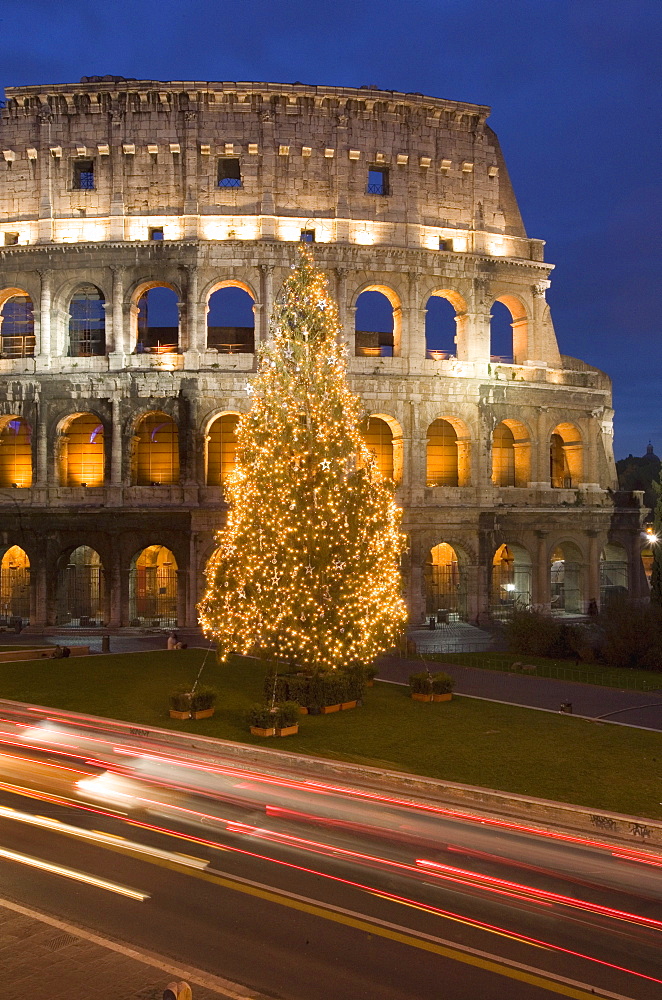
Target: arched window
(508, 330)
(82, 452)
(15, 452)
(566, 579)
(231, 321)
(614, 577)
(511, 580)
(379, 440)
(442, 457)
(87, 323)
(511, 454)
(153, 588)
(14, 586)
(501, 333)
(566, 457)
(17, 338)
(503, 456)
(158, 321)
(376, 330)
(156, 456)
(222, 448)
(80, 589)
(440, 328)
(446, 583)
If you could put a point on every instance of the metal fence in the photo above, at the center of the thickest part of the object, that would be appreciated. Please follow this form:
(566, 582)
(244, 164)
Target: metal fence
(627, 680)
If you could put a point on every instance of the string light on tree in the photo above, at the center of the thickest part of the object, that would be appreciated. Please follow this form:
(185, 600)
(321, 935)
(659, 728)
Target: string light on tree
(305, 498)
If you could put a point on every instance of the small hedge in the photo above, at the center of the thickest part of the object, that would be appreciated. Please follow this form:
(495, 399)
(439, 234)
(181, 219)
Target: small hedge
(287, 714)
(203, 698)
(283, 715)
(261, 717)
(420, 683)
(426, 683)
(180, 700)
(315, 691)
(442, 683)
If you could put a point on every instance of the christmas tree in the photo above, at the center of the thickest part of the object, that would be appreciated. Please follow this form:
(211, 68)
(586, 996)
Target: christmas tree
(307, 568)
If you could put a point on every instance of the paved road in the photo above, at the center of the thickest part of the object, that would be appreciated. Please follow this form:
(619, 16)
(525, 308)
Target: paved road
(299, 889)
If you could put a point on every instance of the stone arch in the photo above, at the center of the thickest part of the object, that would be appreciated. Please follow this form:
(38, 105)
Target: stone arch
(14, 586)
(17, 336)
(511, 454)
(446, 581)
(152, 338)
(80, 589)
(153, 587)
(519, 325)
(155, 457)
(511, 579)
(566, 457)
(15, 452)
(81, 450)
(221, 447)
(445, 336)
(228, 338)
(379, 343)
(383, 437)
(87, 322)
(614, 573)
(567, 577)
(448, 454)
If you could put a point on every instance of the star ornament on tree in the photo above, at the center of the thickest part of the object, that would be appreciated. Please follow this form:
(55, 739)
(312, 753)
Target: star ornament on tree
(325, 464)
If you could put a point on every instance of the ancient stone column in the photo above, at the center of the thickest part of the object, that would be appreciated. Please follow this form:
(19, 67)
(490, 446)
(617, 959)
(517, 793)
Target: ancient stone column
(267, 296)
(43, 168)
(42, 443)
(44, 349)
(191, 211)
(118, 345)
(116, 445)
(412, 343)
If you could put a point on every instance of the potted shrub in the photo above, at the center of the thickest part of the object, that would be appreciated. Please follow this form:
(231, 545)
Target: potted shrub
(420, 686)
(287, 718)
(334, 690)
(369, 672)
(203, 702)
(442, 687)
(261, 720)
(180, 704)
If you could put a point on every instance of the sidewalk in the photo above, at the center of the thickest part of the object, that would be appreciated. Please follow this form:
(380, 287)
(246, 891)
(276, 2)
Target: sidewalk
(125, 643)
(42, 958)
(634, 708)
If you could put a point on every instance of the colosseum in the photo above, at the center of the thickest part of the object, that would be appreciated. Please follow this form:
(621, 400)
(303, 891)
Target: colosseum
(147, 228)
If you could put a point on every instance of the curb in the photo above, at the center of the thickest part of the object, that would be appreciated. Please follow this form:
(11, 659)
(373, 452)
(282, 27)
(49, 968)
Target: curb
(542, 814)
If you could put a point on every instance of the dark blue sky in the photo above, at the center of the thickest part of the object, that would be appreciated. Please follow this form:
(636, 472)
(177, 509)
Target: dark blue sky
(574, 87)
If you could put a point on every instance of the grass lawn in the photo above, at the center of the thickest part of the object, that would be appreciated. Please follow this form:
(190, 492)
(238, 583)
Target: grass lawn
(566, 670)
(497, 746)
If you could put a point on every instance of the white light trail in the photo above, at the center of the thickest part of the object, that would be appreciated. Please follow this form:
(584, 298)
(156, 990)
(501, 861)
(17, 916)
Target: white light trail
(100, 883)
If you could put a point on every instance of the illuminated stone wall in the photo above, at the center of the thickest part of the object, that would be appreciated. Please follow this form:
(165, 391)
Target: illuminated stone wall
(447, 225)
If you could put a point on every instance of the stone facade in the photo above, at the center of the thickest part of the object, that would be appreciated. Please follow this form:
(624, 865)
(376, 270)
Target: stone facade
(128, 185)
